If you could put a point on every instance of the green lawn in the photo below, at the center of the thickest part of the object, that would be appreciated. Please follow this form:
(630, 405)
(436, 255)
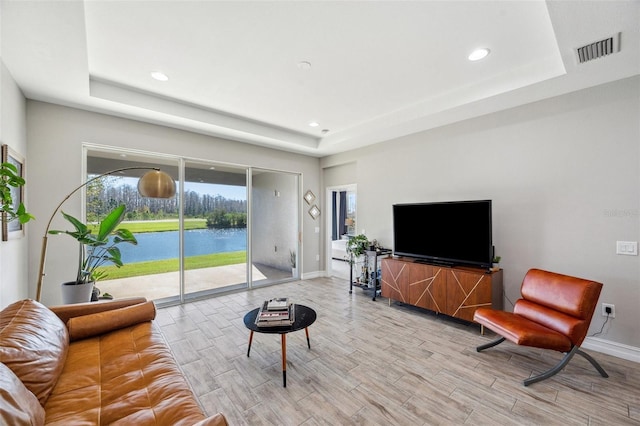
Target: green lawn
(162, 225)
(171, 265)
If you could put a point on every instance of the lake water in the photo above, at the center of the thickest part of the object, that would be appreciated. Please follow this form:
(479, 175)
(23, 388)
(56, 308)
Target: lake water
(164, 245)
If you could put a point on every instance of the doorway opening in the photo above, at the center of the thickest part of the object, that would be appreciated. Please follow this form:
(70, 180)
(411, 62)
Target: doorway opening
(341, 225)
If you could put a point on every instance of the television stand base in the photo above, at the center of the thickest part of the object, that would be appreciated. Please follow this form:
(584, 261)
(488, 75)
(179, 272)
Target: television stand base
(436, 263)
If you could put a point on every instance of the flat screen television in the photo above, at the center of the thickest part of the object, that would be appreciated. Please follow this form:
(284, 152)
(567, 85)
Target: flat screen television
(449, 233)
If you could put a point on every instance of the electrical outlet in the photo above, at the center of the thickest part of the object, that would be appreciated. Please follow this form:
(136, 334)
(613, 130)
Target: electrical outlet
(608, 309)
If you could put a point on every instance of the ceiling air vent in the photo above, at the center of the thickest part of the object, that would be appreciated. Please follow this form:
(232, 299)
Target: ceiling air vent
(599, 49)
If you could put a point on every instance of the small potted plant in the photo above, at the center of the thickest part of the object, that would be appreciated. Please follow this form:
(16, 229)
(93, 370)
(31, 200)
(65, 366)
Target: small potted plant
(95, 251)
(496, 263)
(356, 246)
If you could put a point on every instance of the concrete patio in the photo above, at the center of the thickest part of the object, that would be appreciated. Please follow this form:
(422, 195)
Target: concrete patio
(166, 285)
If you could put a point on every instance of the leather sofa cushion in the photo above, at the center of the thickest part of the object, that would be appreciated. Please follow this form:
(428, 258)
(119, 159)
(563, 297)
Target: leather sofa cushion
(33, 344)
(127, 376)
(103, 322)
(18, 406)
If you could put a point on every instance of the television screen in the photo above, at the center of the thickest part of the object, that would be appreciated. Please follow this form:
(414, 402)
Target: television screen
(452, 233)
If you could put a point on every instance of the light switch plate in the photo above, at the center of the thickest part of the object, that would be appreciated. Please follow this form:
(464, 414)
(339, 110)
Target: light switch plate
(629, 248)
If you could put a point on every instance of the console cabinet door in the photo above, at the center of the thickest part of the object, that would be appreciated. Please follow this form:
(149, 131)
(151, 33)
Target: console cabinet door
(428, 287)
(395, 280)
(415, 284)
(467, 291)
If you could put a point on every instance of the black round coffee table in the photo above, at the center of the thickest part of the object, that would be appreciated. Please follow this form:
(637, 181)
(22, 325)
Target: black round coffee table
(304, 317)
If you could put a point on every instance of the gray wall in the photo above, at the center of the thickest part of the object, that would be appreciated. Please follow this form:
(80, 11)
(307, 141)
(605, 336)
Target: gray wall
(563, 175)
(55, 138)
(13, 253)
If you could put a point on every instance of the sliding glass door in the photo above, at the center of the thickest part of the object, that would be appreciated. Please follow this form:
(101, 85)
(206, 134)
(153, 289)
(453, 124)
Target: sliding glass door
(274, 226)
(151, 268)
(215, 228)
(201, 241)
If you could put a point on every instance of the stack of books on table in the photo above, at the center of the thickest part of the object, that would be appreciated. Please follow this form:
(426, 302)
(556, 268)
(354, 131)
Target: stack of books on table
(277, 312)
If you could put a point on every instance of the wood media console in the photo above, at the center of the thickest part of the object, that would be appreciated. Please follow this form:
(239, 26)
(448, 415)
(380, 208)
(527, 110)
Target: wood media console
(453, 291)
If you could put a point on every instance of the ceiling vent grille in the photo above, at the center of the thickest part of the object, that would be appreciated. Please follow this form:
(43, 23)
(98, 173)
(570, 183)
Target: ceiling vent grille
(598, 49)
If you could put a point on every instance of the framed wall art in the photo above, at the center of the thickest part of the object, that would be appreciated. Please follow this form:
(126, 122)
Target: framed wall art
(314, 212)
(13, 228)
(309, 197)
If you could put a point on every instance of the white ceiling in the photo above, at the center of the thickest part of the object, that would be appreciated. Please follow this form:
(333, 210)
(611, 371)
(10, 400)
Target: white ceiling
(379, 70)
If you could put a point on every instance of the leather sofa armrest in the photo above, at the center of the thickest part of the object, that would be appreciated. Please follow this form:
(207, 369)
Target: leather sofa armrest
(66, 312)
(215, 420)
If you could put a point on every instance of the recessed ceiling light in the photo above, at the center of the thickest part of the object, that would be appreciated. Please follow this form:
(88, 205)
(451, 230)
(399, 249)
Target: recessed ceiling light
(479, 53)
(314, 124)
(304, 65)
(160, 76)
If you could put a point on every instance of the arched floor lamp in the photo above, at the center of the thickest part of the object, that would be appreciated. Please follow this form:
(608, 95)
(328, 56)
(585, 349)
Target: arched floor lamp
(153, 184)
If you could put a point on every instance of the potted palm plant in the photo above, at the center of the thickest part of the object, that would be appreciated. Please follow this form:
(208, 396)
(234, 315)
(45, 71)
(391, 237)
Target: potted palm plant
(95, 251)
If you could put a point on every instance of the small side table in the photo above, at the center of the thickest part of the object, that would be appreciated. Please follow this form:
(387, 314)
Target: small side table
(304, 317)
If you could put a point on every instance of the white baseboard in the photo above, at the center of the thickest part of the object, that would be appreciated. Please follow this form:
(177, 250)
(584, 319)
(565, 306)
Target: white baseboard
(311, 275)
(630, 353)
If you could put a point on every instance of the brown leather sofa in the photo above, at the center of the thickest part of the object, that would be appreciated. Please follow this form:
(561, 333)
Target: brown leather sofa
(90, 364)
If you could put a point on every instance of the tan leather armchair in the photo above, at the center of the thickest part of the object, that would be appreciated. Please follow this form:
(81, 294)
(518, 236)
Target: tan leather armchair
(554, 313)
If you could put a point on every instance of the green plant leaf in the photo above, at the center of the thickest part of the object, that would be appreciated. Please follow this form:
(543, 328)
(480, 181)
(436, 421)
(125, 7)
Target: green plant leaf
(9, 179)
(8, 169)
(126, 236)
(80, 227)
(98, 249)
(109, 223)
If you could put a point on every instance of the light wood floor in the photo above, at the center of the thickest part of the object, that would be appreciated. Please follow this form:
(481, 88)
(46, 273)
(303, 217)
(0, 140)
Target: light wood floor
(371, 363)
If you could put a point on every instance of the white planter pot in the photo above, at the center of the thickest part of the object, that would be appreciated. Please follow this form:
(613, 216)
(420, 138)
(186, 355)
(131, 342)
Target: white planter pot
(72, 293)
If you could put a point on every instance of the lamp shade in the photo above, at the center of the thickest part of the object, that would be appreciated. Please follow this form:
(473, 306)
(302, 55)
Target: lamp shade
(156, 184)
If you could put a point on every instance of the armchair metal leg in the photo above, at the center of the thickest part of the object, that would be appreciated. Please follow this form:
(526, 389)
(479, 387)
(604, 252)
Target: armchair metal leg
(551, 372)
(490, 344)
(563, 362)
(594, 363)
